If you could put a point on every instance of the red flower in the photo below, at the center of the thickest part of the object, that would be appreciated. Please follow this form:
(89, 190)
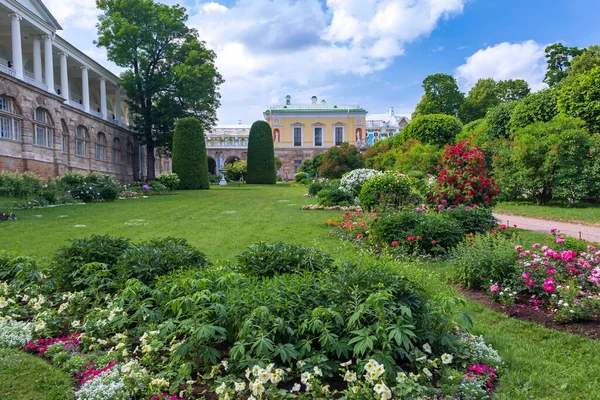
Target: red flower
(411, 238)
(419, 238)
(433, 242)
(394, 243)
(360, 236)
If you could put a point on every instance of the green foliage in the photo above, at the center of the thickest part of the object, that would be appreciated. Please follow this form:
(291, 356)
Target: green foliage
(170, 180)
(536, 107)
(335, 196)
(436, 129)
(237, 170)
(512, 90)
(388, 190)
(483, 96)
(546, 160)
(579, 97)
(269, 259)
(22, 271)
(318, 185)
(89, 187)
(299, 177)
(157, 257)
(169, 72)
(558, 58)
(340, 159)
(261, 154)
(189, 155)
(311, 165)
(586, 61)
(497, 120)
(278, 163)
(14, 184)
(473, 219)
(442, 96)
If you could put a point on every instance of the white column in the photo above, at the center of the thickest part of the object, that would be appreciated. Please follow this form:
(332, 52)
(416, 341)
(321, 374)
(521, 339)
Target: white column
(85, 88)
(103, 108)
(49, 63)
(118, 104)
(17, 53)
(64, 77)
(37, 59)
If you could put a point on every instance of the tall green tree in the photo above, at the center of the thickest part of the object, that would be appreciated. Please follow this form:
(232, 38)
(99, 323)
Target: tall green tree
(558, 58)
(437, 129)
(535, 107)
(261, 154)
(442, 96)
(169, 72)
(512, 90)
(340, 159)
(481, 97)
(586, 61)
(579, 97)
(189, 155)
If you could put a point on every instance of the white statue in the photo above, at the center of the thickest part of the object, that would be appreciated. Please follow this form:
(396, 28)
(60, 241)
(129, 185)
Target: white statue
(276, 136)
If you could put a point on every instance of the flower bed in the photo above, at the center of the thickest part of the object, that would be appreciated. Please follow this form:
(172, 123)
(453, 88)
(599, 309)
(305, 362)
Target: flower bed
(563, 282)
(8, 217)
(310, 327)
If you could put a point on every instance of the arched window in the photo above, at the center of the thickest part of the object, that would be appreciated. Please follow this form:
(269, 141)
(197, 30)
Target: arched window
(81, 141)
(101, 147)
(116, 151)
(130, 154)
(65, 137)
(10, 121)
(43, 128)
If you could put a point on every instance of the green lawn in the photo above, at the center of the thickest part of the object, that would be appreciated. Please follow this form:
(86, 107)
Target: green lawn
(541, 364)
(583, 214)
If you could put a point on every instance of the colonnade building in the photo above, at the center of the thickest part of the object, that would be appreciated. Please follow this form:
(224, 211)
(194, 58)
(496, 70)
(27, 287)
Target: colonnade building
(60, 110)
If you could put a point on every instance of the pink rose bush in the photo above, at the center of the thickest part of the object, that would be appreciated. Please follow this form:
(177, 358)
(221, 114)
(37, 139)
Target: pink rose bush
(565, 282)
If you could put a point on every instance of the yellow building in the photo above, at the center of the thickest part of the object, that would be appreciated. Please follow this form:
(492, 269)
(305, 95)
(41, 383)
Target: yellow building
(301, 131)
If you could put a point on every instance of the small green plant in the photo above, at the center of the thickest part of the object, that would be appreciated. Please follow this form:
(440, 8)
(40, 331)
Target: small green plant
(268, 259)
(335, 197)
(484, 259)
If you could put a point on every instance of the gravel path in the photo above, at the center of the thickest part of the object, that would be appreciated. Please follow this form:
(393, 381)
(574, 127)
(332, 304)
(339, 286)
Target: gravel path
(585, 232)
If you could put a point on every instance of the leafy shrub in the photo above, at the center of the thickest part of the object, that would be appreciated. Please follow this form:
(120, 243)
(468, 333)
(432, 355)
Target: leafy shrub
(539, 106)
(237, 170)
(334, 196)
(170, 180)
(433, 129)
(386, 190)
(318, 185)
(189, 154)
(98, 249)
(463, 178)
(299, 177)
(484, 258)
(90, 186)
(269, 259)
(352, 182)
(261, 154)
(156, 257)
(415, 231)
(14, 184)
(340, 159)
(473, 219)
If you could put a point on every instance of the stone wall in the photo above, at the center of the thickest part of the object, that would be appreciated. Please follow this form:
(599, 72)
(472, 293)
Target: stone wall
(290, 156)
(23, 155)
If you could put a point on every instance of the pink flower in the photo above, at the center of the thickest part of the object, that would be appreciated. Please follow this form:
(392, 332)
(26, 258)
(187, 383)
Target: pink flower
(553, 230)
(433, 242)
(494, 288)
(549, 288)
(591, 248)
(411, 238)
(550, 271)
(394, 243)
(560, 239)
(525, 276)
(360, 236)
(530, 282)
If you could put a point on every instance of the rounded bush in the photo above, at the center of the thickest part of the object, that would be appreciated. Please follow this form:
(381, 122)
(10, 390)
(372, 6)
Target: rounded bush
(433, 128)
(386, 190)
(269, 259)
(189, 155)
(170, 180)
(261, 155)
(335, 196)
(353, 181)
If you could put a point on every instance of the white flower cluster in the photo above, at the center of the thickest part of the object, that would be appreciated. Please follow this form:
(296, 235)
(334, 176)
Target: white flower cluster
(14, 334)
(353, 181)
(479, 351)
(106, 386)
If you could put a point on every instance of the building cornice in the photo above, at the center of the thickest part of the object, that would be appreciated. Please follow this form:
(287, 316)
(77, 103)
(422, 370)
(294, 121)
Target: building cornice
(49, 27)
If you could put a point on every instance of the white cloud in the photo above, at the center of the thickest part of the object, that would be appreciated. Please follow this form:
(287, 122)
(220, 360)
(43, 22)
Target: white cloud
(77, 13)
(524, 60)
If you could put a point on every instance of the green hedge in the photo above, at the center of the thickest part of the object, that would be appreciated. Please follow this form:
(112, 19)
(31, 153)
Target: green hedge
(189, 155)
(261, 154)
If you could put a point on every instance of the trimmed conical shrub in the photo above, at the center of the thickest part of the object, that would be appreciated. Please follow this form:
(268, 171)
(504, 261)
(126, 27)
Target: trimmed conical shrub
(261, 155)
(189, 155)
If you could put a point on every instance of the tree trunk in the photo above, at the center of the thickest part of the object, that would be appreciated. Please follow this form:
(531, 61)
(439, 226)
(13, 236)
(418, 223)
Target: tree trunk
(150, 176)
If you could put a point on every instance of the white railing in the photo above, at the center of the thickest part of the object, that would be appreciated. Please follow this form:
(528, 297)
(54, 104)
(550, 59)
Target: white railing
(97, 114)
(76, 104)
(35, 83)
(8, 71)
(221, 144)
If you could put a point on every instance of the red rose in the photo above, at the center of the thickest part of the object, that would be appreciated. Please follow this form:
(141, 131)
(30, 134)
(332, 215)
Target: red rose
(411, 238)
(394, 243)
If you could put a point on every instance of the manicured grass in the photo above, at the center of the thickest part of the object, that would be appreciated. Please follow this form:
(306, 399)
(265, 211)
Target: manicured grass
(223, 221)
(25, 377)
(583, 214)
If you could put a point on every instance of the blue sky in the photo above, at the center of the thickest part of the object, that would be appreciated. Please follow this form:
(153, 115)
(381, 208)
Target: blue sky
(369, 52)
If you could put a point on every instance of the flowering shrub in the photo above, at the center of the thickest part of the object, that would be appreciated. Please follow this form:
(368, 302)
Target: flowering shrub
(106, 386)
(353, 181)
(13, 334)
(564, 282)
(170, 180)
(463, 178)
(90, 187)
(8, 217)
